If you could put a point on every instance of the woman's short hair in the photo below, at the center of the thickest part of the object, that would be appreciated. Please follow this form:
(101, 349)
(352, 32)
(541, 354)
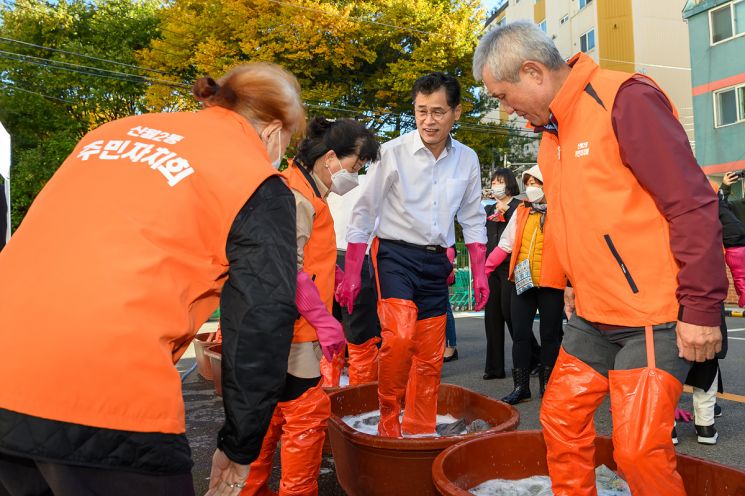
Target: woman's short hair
(504, 49)
(259, 91)
(344, 136)
(510, 181)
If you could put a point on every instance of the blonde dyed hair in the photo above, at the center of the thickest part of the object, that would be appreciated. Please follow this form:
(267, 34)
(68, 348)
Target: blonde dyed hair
(260, 91)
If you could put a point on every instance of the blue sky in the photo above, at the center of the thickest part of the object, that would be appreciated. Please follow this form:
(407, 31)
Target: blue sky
(490, 4)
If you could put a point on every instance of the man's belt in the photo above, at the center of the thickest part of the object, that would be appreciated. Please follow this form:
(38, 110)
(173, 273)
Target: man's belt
(427, 248)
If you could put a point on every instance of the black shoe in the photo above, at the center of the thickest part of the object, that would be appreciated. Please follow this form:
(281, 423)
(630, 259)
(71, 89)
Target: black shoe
(487, 376)
(521, 378)
(717, 411)
(534, 370)
(675, 437)
(707, 434)
(452, 357)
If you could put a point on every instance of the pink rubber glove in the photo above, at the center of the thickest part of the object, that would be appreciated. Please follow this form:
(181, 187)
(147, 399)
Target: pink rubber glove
(451, 256)
(338, 278)
(735, 258)
(683, 415)
(329, 330)
(349, 287)
(496, 257)
(477, 252)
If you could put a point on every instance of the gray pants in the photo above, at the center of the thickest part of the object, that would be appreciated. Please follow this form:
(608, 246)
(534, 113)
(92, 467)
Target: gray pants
(623, 349)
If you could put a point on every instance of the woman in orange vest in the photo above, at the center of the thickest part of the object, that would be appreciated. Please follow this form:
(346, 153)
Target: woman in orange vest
(148, 225)
(539, 285)
(327, 160)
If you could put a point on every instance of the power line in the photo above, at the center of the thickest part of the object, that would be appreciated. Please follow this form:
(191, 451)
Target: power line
(128, 77)
(90, 57)
(51, 62)
(15, 87)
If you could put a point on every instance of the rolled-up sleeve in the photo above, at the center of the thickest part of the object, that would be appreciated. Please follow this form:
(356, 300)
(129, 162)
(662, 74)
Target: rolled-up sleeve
(471, 215)
(367, 209)
(654, 145)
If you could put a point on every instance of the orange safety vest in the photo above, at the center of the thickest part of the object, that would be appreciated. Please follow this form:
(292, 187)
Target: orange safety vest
(611, 240)
(117, 264)
(319, 254)
(551, 274)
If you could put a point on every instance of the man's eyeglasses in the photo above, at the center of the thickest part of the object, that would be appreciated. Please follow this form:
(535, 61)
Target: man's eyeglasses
(437, 114)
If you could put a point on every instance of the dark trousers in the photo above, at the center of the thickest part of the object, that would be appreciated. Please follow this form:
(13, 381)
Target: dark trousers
(550, 302)
(362, 324)
(496, 315)
(28, 477)
(416, 275)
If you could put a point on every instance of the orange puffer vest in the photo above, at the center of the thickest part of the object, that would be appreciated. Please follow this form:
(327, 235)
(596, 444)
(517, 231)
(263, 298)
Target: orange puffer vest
(611, 239)
(551, 273)
(117, 264)
(319, 255)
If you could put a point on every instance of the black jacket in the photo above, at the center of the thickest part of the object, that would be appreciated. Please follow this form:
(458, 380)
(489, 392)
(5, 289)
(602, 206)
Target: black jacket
(495, 229)
(257, 317)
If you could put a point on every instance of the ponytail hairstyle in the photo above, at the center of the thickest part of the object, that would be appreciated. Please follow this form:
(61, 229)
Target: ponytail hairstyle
(261, 92)
(344, 136)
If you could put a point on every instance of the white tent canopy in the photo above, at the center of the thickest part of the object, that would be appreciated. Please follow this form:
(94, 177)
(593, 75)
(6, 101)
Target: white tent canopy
(5, 173)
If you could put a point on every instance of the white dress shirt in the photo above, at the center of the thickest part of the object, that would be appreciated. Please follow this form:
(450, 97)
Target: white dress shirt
(416, 197)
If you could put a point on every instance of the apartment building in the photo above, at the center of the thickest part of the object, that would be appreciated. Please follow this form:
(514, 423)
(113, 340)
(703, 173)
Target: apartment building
(645, 36)
(717, 44)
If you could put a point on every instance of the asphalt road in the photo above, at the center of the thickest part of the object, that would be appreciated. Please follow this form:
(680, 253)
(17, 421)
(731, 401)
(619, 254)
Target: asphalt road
(204, 414)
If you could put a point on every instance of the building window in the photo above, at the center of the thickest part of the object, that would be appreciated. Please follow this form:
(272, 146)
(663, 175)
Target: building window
(584, 3)
(542, 25)
(587, 41)
(729, 106)
(727, 21)
(564, 19)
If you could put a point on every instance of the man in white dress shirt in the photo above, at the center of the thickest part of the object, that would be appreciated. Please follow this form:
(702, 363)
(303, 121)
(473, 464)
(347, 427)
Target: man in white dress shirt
(423, 181)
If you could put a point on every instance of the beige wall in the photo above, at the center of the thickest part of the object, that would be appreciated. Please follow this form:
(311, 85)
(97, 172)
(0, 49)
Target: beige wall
(661, 51)
(657, 45)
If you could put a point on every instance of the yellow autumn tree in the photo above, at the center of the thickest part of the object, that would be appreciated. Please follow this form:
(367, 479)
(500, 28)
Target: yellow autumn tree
(352, 58)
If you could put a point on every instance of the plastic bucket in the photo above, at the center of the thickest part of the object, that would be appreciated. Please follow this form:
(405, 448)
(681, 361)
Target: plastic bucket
(202, 341)
(214, 353)
(372, 465)
(517, 455)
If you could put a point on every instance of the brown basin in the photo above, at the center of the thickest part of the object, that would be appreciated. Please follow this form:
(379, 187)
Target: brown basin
(202, 341)
(214, 352)
(376, 466)
(517, 455)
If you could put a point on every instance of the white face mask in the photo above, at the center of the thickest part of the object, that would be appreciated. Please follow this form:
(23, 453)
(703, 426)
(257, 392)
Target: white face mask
(343, 181)
(499, 191)
(278, 162)
(534, 193)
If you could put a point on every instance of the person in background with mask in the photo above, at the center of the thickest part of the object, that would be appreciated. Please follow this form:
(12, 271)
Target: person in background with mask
(539, 285)
(497, 312)
(110, 287)
(424, 180)
(328, 160)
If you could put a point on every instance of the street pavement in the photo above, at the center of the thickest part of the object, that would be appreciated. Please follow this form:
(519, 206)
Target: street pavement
(204, 414)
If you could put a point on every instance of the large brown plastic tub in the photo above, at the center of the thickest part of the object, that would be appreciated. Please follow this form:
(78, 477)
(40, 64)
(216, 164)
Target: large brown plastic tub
(517, 455)
(214, 353)
(202, 341)
(377, 466)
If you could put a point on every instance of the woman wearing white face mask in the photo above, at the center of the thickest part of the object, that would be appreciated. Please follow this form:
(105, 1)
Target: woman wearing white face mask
(328, 159)
(497, 311)
(539, 285)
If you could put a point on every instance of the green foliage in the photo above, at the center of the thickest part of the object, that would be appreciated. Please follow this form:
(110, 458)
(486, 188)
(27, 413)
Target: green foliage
(50, 95)
(353, 58)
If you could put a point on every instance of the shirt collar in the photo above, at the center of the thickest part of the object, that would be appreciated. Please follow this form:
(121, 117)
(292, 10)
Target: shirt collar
(319, 184)
(415, 142)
